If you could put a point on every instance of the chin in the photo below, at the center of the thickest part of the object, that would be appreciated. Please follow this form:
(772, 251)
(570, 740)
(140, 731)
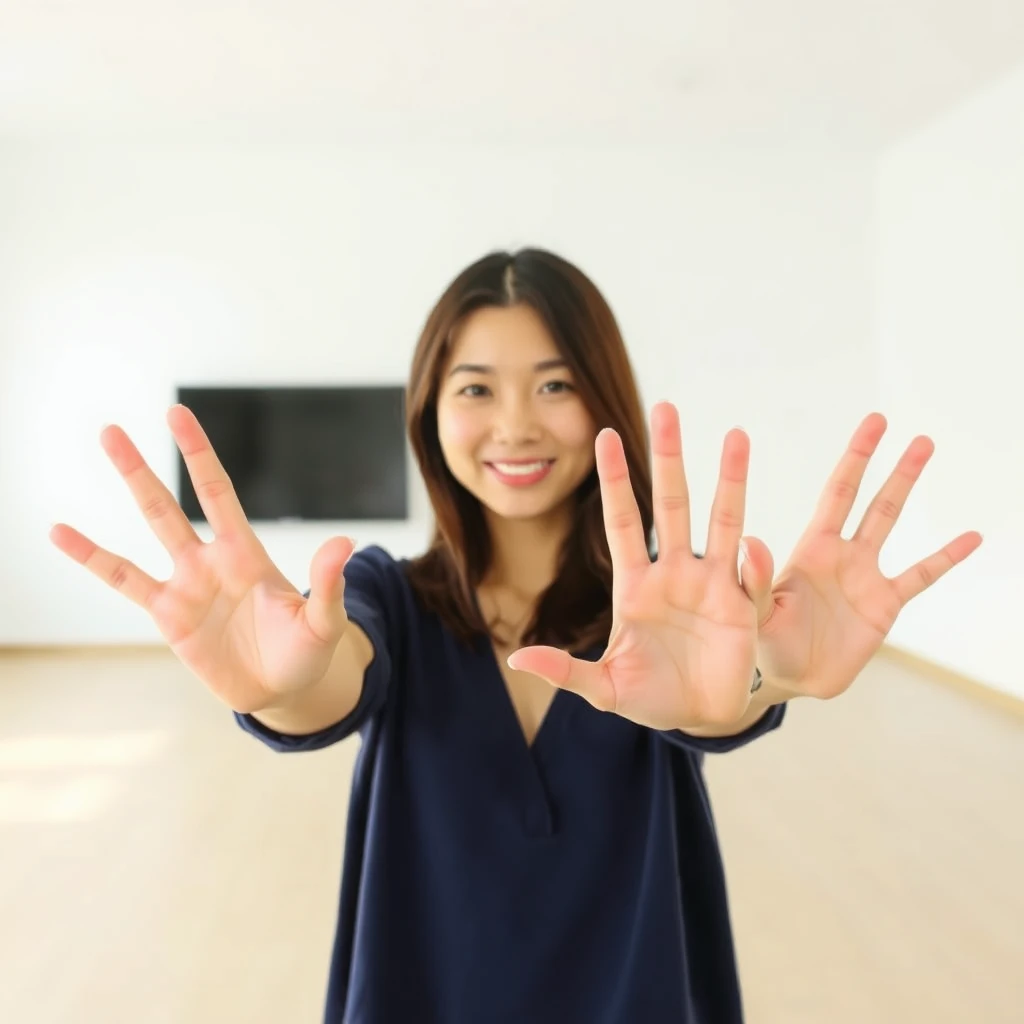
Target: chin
(521, 514)
(514, 506)
(525, 506)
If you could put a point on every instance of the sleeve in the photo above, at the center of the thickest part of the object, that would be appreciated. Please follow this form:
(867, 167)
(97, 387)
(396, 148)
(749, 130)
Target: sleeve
(769, 721)
(371, 601)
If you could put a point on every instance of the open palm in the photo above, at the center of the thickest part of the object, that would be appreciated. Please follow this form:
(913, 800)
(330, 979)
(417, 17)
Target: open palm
(831, 607)
(683, 643)
(227, 611)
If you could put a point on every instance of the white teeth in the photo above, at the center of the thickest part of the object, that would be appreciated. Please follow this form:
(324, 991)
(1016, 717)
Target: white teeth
(519, 469)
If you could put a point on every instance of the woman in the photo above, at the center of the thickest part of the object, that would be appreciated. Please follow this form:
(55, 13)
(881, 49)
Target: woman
(529, 837)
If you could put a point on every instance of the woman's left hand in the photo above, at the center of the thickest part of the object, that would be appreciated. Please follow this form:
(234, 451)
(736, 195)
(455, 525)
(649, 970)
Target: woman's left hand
(683, 645)
(830, 609)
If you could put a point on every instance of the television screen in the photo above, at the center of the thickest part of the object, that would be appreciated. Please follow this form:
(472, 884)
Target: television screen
(303, 453)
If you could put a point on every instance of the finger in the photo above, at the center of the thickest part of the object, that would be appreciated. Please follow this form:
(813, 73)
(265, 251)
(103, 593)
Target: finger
(882, 513)
(728, 507)
(840, 491)
(670, 492)
(214, 490)
(115, 571)
(920, 577)
(622, 523)
(325, 607)
(586, 678)
(158, 505)
(757, 571)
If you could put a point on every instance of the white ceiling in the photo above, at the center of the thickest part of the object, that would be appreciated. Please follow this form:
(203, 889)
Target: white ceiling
(824, 71)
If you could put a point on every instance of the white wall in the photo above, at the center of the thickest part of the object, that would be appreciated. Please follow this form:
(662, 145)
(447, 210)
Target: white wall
(949, 334)
(742, 280)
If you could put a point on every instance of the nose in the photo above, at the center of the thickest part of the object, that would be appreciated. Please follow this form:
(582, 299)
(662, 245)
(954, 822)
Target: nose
(515, 421)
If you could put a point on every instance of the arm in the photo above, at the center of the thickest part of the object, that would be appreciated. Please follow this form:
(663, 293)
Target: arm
(355, 687)
(331, 700)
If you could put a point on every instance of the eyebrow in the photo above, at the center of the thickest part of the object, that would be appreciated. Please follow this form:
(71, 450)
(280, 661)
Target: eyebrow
(547, 364)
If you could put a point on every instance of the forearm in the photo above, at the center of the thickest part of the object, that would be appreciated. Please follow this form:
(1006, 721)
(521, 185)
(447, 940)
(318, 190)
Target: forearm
(330, 700)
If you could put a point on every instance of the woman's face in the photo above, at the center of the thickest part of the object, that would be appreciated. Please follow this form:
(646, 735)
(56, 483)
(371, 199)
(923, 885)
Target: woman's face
(513, 430)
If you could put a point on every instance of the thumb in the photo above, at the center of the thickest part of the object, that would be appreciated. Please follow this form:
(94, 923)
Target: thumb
(585, 678)
(325, 608)
(757, 570)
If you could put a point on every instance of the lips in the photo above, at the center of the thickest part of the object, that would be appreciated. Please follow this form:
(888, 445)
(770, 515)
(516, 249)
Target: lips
(520, 472)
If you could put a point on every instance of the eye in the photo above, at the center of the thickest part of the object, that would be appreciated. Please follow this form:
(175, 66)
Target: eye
(557, 387)
(473, 390)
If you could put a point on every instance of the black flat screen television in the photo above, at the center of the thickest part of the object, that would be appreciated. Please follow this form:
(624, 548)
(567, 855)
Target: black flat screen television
(304, 453)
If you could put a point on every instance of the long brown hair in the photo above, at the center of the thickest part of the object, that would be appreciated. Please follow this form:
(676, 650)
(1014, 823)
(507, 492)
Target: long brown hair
(574, 613)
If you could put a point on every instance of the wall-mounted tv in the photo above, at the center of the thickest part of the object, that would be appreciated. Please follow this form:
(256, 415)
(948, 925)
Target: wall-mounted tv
(304, 453)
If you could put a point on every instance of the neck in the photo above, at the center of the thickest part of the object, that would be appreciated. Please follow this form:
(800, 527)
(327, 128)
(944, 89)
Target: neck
(525, 552)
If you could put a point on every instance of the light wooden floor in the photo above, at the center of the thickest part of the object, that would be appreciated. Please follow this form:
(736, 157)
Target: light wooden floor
(157, 866)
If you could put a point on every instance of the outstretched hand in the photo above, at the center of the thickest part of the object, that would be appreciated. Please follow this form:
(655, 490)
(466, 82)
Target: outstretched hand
(830, 608)
(683, 643)
(227, 611)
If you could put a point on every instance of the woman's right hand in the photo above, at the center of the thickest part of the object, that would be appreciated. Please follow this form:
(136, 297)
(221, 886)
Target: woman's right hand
(227, 611)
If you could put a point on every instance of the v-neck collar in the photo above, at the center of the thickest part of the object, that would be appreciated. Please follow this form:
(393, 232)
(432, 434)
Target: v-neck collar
(530, 762)
(556, 709)
(509, 716)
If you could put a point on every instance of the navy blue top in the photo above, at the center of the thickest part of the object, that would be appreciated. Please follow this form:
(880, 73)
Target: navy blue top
(573, 881)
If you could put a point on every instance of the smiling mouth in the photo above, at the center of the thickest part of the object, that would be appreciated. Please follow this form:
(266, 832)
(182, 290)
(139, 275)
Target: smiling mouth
(520, 474)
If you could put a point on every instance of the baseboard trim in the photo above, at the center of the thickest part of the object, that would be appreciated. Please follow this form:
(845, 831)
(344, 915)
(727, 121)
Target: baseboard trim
(967, 685)
(77, 650)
